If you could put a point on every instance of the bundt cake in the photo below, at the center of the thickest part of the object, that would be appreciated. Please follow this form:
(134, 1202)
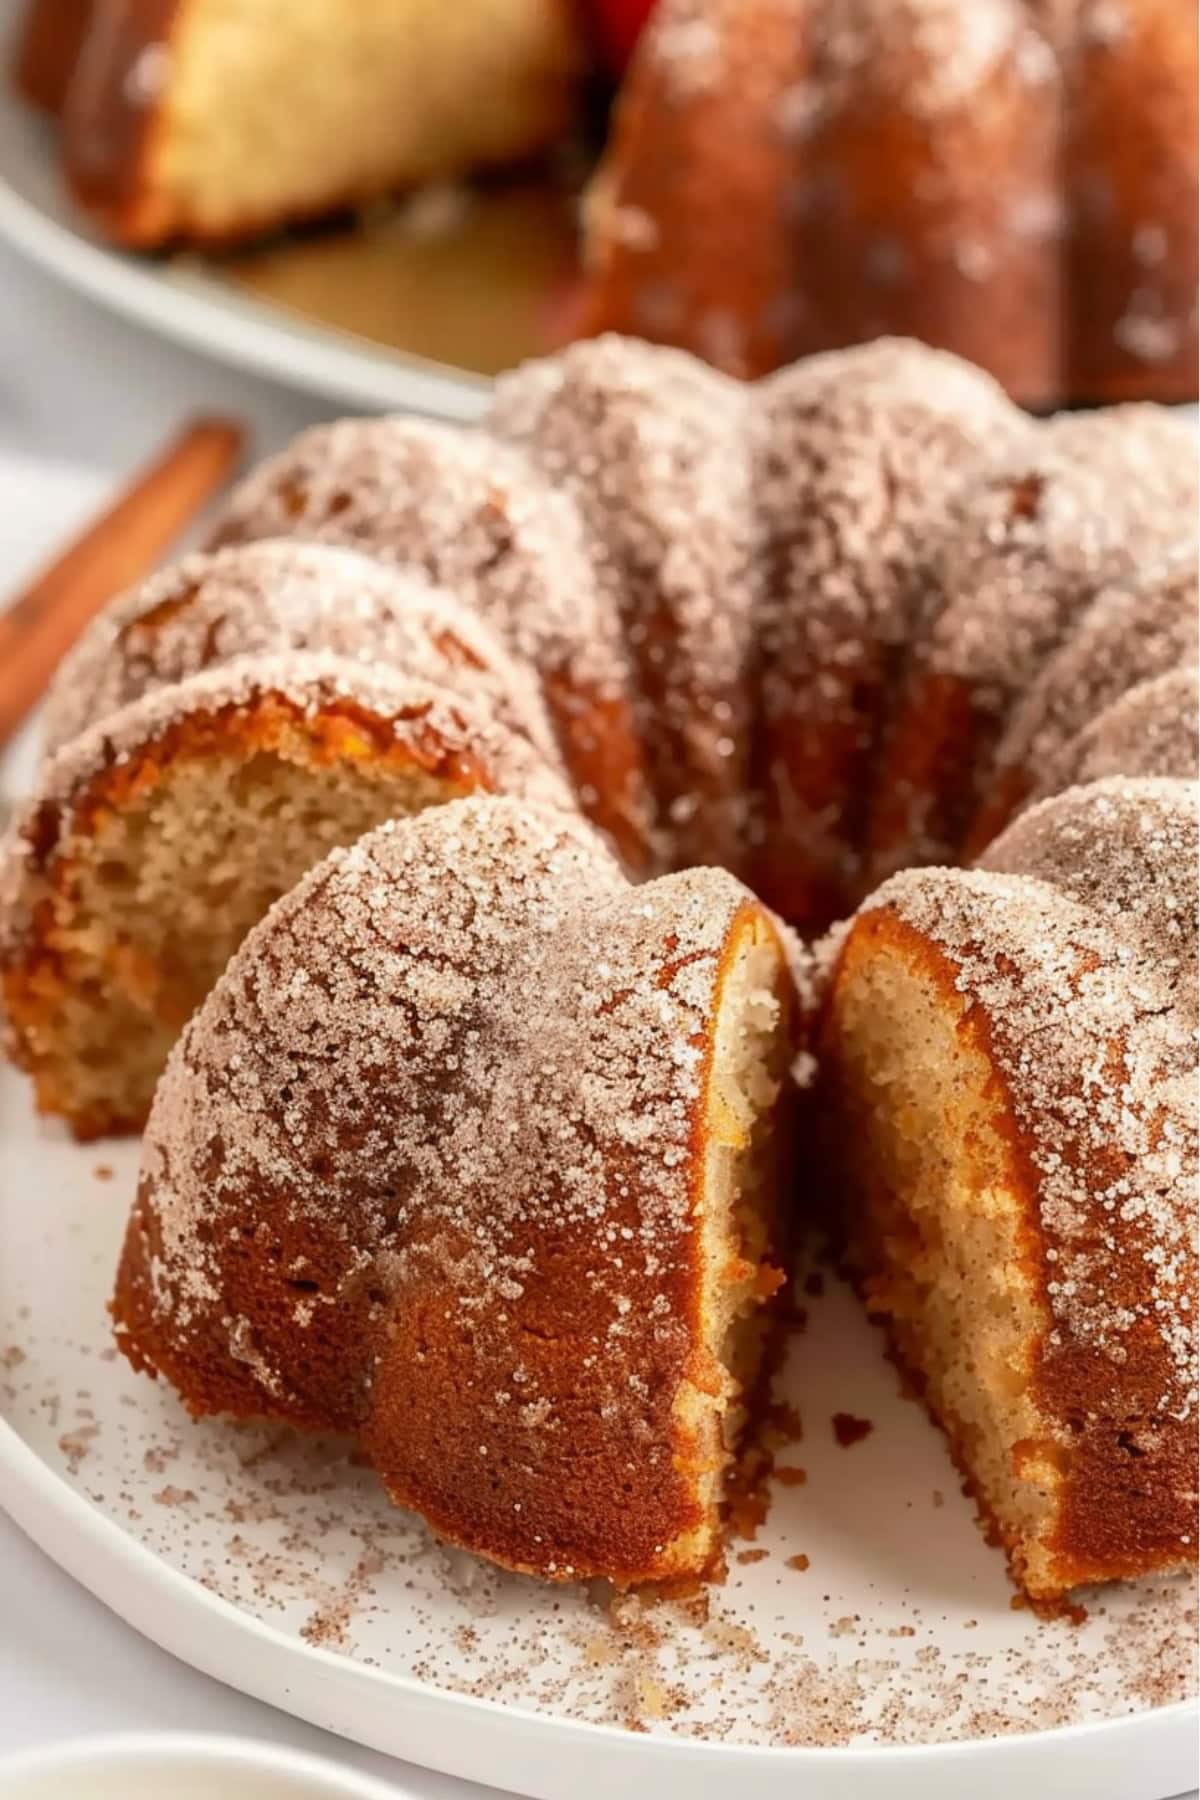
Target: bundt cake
(474, 1152)
(207, 121)
(474, 1148)
(1013, 181)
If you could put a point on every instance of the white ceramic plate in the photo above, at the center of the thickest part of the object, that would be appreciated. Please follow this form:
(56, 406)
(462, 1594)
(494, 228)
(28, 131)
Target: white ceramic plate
(151, 1765)
(894, 1664)
(184, 302)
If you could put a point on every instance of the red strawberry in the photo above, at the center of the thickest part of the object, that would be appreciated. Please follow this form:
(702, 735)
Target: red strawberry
(618, 25)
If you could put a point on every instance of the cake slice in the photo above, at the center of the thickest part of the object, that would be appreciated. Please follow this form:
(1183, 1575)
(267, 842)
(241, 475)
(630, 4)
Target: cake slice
(1008, 1076)
(155, 840)
(200, 120)
(475, 1152)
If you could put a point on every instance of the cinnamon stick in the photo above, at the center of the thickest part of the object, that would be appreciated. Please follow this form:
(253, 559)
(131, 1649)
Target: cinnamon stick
(121, 546)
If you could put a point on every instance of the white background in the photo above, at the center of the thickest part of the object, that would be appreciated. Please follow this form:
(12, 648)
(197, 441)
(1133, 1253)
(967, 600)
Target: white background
(83, 399)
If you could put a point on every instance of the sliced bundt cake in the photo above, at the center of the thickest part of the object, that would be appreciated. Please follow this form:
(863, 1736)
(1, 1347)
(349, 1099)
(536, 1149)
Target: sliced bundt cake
(860, 616)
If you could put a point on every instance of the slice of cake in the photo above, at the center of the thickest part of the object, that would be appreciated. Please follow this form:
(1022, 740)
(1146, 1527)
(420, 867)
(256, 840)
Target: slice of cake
(1008, 1088)
(208, 121)
(476, 1152)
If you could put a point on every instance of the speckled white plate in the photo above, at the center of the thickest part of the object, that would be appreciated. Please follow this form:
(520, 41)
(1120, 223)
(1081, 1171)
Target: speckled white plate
(893, 1663)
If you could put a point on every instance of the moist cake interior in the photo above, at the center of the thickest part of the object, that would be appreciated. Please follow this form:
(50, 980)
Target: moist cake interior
(158, 903)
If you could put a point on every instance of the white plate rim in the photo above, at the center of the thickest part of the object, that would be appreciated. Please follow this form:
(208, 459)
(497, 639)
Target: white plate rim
(487, 1741)
(205, 316)
(219, 1751)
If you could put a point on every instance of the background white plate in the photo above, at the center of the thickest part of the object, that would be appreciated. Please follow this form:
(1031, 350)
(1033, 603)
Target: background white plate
(182, 302)
(894, 1664)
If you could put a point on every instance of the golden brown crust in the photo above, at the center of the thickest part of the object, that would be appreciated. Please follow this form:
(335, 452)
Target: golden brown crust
(691, 247)
(110, 120)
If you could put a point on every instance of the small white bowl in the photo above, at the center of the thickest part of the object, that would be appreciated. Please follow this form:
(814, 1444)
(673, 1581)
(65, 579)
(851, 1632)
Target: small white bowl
(151, 1765)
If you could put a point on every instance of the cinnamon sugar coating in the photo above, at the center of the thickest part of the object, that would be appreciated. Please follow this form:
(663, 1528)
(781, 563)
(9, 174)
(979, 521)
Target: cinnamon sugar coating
(1141, 629)
(444, 1113)
(820, 597)
(857, 456)
(1145, 628)
(650, 446)
(1082, 504)
(474, 517)
(268, 598)
(1151, 730)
